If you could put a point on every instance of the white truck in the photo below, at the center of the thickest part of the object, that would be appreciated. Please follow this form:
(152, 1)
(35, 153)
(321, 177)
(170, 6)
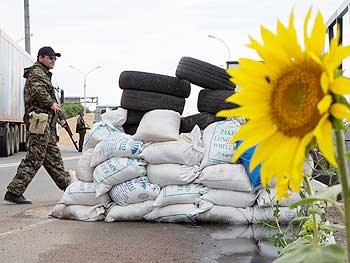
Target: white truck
(13, 59)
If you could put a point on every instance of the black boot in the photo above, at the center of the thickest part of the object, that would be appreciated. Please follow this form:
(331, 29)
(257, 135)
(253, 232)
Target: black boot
(17, 199)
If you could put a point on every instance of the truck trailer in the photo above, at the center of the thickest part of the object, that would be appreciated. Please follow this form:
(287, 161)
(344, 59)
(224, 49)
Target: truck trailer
(13, 60)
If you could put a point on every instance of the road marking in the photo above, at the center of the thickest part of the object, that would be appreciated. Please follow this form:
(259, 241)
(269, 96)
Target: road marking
(22, 229)
(5, 165)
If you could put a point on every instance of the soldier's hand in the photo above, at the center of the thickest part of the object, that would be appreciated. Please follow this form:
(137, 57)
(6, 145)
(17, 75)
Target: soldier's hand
(62, 122)
(55, 107)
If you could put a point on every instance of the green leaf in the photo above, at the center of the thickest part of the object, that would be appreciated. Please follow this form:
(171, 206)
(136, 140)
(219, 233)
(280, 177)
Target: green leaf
(306, 254)
(330, 194)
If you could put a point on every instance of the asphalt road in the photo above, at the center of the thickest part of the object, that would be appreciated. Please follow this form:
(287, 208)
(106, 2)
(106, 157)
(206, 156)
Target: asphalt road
(28, 234)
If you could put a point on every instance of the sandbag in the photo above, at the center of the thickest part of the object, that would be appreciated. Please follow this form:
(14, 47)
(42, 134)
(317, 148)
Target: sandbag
(116, 145)
(180, 194)
(171, 173)
(114, 118)
(99, 131)
(132, 212)
(229, 197)
(134, 191)
(216, 138)
(83, 193)
(225, 176)
(79, 212)
(178, 213)
(83, 170)
(115, 171)
(248, 215)
(159, 126)
(187, 150)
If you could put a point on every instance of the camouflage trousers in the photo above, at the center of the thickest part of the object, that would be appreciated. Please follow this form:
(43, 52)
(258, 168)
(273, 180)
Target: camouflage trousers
(42, 151)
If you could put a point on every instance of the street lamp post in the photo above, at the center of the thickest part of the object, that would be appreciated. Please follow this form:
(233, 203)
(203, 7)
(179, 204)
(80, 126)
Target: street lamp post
(223, 42)
(84, 78)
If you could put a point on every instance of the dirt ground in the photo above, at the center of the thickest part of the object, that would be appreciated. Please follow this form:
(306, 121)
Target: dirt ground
(64, 137)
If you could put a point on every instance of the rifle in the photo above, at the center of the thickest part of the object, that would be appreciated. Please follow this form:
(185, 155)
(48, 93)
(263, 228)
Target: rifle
(59, 116)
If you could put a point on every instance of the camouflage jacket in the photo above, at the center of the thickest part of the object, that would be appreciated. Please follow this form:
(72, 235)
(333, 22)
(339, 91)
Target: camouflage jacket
(39, 93)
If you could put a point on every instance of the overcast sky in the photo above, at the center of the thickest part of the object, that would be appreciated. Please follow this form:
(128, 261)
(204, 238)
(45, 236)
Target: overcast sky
(144, 35)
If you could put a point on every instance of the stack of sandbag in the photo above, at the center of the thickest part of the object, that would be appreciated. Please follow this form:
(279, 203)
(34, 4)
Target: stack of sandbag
(80, 201)
(233, 190)
(216, 88)
(144, 91)
(121, 173)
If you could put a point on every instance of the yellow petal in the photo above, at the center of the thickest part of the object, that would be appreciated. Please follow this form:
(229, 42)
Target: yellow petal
(324, 104)
(323, 134)
(318, 34)
(340, 111)
(340, 86)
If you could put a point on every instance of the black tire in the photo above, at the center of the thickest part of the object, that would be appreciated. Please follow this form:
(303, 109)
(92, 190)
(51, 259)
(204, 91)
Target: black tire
(16, 138)
(130, 129)
(5, 143)
(12, 142)
(147, 101)
(202, 119)
(137, 80)
(213, 101)
(200, 74)
(134, 117)
(205, 66)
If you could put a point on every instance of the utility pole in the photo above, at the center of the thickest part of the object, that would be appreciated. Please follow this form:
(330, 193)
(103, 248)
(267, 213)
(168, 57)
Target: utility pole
(26, 26)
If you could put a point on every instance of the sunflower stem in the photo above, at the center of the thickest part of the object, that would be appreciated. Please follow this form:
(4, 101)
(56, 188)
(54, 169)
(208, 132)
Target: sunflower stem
(316, 236)
(344, 176)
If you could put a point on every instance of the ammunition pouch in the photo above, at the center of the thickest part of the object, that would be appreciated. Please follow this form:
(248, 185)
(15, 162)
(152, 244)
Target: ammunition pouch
(38, 122)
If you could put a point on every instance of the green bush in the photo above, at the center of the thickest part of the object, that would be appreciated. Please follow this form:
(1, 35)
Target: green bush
(70, 110)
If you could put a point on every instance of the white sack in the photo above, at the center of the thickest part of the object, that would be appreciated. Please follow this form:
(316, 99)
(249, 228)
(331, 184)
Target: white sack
(248, 215)
(267, 200)
(83, 170)
(79, 212)
(179, 194)
(171, 173)
(159, 126)
(83, 193)
(188, 150)
(114, 118)
(266, 214)
(134, 191)
(226, 176)
(178, 213)
(116, 145)
(115, 171)
(99, 131)
(227, 215)
(230, 198)
(216, 138)
(132, 212)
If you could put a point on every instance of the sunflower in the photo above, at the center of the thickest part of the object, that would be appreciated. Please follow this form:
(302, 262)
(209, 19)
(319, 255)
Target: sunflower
(290, 98)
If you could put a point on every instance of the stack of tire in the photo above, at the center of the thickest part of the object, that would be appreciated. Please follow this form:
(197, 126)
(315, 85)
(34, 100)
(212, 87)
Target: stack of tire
(143, 92)
(211, 99)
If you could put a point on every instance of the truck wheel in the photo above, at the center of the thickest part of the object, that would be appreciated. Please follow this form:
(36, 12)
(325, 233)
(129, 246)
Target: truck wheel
(202, 119)
(214, 100)
(203, 74)
(12, 140)
(16, 139)
(147, 101)
(5, 143)
(145, 81)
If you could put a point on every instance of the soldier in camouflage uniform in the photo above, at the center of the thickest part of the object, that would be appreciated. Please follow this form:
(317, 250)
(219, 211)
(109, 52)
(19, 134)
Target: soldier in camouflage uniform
(40, 106)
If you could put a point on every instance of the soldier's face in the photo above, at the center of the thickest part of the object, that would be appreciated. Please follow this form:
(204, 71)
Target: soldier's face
(48, 61)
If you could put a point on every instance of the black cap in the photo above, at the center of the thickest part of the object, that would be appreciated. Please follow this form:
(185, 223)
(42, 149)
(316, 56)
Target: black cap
(48, 51)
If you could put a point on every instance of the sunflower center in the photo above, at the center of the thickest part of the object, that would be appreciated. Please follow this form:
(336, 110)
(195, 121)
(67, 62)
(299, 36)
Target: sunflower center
(294, 99)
